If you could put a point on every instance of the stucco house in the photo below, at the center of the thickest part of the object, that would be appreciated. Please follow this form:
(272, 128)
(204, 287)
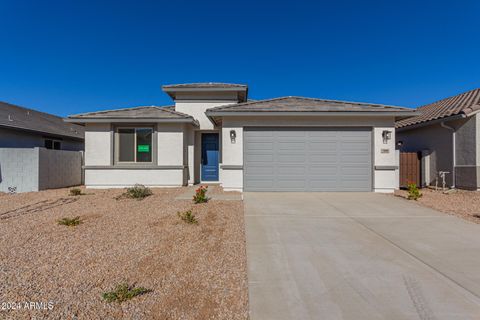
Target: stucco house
(214, 134)
(27, 128)
(447, 133)
(38, 150)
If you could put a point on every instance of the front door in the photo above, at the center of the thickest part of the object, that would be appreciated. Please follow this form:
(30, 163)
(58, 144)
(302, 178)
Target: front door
(210, 157)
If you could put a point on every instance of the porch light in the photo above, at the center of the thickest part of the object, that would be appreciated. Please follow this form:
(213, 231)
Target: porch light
(233, 136)
(386, 135)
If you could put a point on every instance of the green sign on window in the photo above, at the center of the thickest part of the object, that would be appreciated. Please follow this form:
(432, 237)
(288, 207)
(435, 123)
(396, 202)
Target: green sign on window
(143, 148)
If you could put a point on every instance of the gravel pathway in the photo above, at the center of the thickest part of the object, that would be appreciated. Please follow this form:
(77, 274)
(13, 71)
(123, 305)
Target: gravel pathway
(195, 271)
(461, 203)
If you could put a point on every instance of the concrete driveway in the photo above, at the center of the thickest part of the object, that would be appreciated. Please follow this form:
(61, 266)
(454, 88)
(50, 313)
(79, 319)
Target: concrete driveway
(358, 256)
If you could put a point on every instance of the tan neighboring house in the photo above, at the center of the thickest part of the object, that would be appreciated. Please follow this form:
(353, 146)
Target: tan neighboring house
(214, 134)
(447, 133)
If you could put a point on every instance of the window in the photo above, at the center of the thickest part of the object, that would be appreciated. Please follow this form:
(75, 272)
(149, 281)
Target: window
(53, 144)
(134, 144)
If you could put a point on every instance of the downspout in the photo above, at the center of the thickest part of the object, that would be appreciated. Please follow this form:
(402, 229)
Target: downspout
(454, 162)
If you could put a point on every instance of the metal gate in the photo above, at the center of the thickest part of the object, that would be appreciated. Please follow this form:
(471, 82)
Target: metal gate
(410, 166)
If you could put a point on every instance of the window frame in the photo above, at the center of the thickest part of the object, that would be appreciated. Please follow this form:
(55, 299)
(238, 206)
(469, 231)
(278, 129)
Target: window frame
(117, 145)
(53, 143)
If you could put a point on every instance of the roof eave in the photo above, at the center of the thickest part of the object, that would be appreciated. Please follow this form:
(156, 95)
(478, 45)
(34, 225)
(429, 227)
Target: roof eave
(312, 113)
(431, 122)
(43, 132)
(130, 120)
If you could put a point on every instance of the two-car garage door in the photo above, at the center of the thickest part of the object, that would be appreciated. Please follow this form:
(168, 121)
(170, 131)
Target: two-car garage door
(307, 159)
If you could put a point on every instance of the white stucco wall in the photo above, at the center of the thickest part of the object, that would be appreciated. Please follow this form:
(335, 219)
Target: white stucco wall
(231, 172)
(170, 144)
(171, 150)
(195, 104)
(120, 178)
(98, 144)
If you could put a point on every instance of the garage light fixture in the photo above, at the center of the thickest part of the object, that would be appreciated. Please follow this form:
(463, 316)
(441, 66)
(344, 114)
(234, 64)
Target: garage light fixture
(386, 135)
(233, 136)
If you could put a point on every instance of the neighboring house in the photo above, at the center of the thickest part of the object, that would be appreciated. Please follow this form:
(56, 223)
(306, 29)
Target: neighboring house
(26, 163)
(447, 133)
(214, 134)
(26, 128)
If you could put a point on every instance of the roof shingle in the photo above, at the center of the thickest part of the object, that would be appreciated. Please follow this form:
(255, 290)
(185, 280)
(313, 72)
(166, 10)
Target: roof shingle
(464, 103)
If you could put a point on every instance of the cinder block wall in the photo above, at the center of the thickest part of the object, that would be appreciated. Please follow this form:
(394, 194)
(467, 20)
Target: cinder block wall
(34, 169)
(59, 168)
(19, 169)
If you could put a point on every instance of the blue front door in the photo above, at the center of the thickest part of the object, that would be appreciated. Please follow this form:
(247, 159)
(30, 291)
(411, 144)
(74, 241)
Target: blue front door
(210, 157)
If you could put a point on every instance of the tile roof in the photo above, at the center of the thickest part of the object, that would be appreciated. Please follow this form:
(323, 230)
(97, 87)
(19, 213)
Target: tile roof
(205, 85)
(302, 104)
(146, 112)
(464, 103)
(14, 116)
(135, 113)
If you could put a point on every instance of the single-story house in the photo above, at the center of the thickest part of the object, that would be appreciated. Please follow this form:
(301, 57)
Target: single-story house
(38, 150)
(26, 128)
(447, 133)
(214, 134)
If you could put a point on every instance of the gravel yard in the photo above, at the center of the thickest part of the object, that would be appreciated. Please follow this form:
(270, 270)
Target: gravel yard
(461, 203)
(196, 271)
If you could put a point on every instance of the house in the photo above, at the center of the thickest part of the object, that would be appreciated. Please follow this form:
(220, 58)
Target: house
(214, 134)
(447, 133)
(38, 150)
(26, 128)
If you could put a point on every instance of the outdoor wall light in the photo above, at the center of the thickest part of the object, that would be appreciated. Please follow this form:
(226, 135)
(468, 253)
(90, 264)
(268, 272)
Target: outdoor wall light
(386, 135)
(233, 136)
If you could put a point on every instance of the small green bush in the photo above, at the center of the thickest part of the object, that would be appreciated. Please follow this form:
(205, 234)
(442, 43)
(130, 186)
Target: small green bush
(76, 192)
(201, 195)
(413, 191)
(138, 192)
(70, 222)
(124, 292)
(188, 217)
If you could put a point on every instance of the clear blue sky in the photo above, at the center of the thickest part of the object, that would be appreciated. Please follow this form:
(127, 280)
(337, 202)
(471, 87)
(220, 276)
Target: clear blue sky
(69, 57)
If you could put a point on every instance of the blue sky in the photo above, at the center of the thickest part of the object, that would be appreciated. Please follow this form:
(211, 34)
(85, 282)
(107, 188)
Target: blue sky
(68, 57)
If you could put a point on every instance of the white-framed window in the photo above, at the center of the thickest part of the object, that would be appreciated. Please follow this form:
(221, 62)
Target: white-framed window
(134, 145)
(53, 144)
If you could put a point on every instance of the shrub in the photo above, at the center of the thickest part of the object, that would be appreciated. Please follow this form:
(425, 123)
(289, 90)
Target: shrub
(124, 292)
(70, 222)
(201, 195)
(413, 191)
(188, 217)
(138, 192)
(76, 192)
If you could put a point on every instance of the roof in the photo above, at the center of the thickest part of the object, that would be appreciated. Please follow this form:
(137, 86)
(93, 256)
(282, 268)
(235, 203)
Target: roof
(135, 114)
(465, 103)
(17, 117)
(241, 90)
(205, 85)
(302, 104)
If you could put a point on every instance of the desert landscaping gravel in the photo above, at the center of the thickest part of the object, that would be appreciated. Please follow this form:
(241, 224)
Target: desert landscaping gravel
(194, 271)
(461, 203)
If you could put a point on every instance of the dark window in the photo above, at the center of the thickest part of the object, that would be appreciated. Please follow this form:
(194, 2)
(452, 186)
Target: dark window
(135, 144)
(126, 145)
(49, 144)
(144, 145)
(53, 144)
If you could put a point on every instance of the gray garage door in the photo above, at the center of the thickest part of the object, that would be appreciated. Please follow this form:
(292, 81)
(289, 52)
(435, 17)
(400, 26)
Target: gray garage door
(307, 159)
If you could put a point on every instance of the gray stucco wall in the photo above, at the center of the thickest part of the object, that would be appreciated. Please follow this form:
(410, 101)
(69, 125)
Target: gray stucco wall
(438, 141)
(11, 138)
(34, 169)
